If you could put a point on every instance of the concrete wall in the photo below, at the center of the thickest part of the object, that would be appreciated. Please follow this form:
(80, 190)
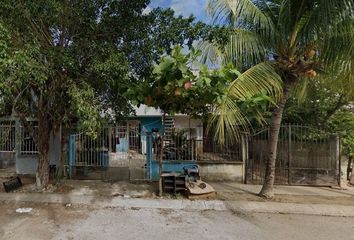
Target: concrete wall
(27, 164)
(7, 159)
(211, 171)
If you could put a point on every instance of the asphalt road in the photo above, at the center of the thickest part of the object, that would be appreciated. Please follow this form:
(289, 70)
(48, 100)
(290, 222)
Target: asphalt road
(53, 221)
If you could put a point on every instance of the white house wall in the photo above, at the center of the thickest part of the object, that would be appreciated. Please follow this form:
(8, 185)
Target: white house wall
(185, 122)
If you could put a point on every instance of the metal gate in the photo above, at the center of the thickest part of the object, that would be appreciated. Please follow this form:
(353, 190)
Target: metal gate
(305, 156)
(118, 152)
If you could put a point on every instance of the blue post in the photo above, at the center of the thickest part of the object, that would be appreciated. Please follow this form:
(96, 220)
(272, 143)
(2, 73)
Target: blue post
(72, 153)
(149, 155)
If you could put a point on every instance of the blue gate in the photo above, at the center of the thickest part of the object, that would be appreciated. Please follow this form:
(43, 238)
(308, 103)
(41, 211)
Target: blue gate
(119, 147)
(122, 148)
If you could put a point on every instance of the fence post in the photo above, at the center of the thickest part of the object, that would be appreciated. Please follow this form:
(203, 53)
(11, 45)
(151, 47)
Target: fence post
(244, 152)
(289, 155)
(148, 155)
(339, 160)
(72, 152)
(18, 141)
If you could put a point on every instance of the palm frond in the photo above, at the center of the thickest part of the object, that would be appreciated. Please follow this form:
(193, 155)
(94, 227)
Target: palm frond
(338, 47)
(245, 46)
(341, 80)
(228, 119)
(301, 90)
(240, 12)
(212, 53)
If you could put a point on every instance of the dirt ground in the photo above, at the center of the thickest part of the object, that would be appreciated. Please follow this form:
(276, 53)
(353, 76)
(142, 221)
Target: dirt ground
(89, 187)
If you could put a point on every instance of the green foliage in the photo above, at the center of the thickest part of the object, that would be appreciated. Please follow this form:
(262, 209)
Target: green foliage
(318, 106)
(228, 117)
(300, 40)
(325, 107)
(221, 93)
(166, 87)
(65, 62)
(84, 107)
(342, 122)
(163, 31)
(107, 45)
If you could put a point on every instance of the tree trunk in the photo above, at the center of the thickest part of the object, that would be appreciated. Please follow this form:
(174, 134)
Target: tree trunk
(352, 175)
(349, 168)
(42, 176)
(277, 115)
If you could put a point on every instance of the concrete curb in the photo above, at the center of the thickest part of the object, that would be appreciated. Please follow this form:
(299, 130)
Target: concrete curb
(115, 202)
(291, 208)
(183, 204)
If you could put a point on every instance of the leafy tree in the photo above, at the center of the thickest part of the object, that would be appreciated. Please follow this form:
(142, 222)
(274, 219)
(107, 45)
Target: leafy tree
(319, 104)
(342, 122)
(162, 31)
(170, 88)
(51, 57)
(327, 108)
(66, 61)
(175, 88)
(298, 39)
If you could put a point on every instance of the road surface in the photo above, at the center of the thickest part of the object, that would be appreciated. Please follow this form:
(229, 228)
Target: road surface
(54, 221)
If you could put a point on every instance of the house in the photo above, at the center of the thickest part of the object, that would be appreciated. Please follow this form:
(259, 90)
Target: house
(186, 143)
(127, 150)
(150, 119)
(18, 150)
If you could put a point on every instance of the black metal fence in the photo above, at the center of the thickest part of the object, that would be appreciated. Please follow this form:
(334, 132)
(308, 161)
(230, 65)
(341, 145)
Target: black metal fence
(182, 146)
(7, 136)
(216, 152)
(305, 156)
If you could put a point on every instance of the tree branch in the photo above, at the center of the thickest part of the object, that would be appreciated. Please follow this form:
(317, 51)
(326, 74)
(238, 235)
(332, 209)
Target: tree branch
(332, 111)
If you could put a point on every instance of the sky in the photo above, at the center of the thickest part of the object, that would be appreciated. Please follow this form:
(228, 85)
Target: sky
(184, 8)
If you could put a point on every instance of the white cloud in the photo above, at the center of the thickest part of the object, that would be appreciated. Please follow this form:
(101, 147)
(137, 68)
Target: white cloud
(188, 7)
(147, 10)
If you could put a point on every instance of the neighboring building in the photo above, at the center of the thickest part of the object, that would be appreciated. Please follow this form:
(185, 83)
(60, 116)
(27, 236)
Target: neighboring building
(18, 150)
(149, 119)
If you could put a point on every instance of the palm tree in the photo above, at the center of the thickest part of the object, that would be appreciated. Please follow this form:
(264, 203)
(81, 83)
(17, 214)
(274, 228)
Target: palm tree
(299, 39)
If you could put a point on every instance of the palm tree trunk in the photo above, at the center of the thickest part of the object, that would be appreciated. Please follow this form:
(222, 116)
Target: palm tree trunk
(267, 189)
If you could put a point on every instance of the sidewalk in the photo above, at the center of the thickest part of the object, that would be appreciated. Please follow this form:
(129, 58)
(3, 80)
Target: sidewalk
(291, 208)
(237, 197)
(230, 191)
(114, 202)
(243, 207)
(285, 190)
